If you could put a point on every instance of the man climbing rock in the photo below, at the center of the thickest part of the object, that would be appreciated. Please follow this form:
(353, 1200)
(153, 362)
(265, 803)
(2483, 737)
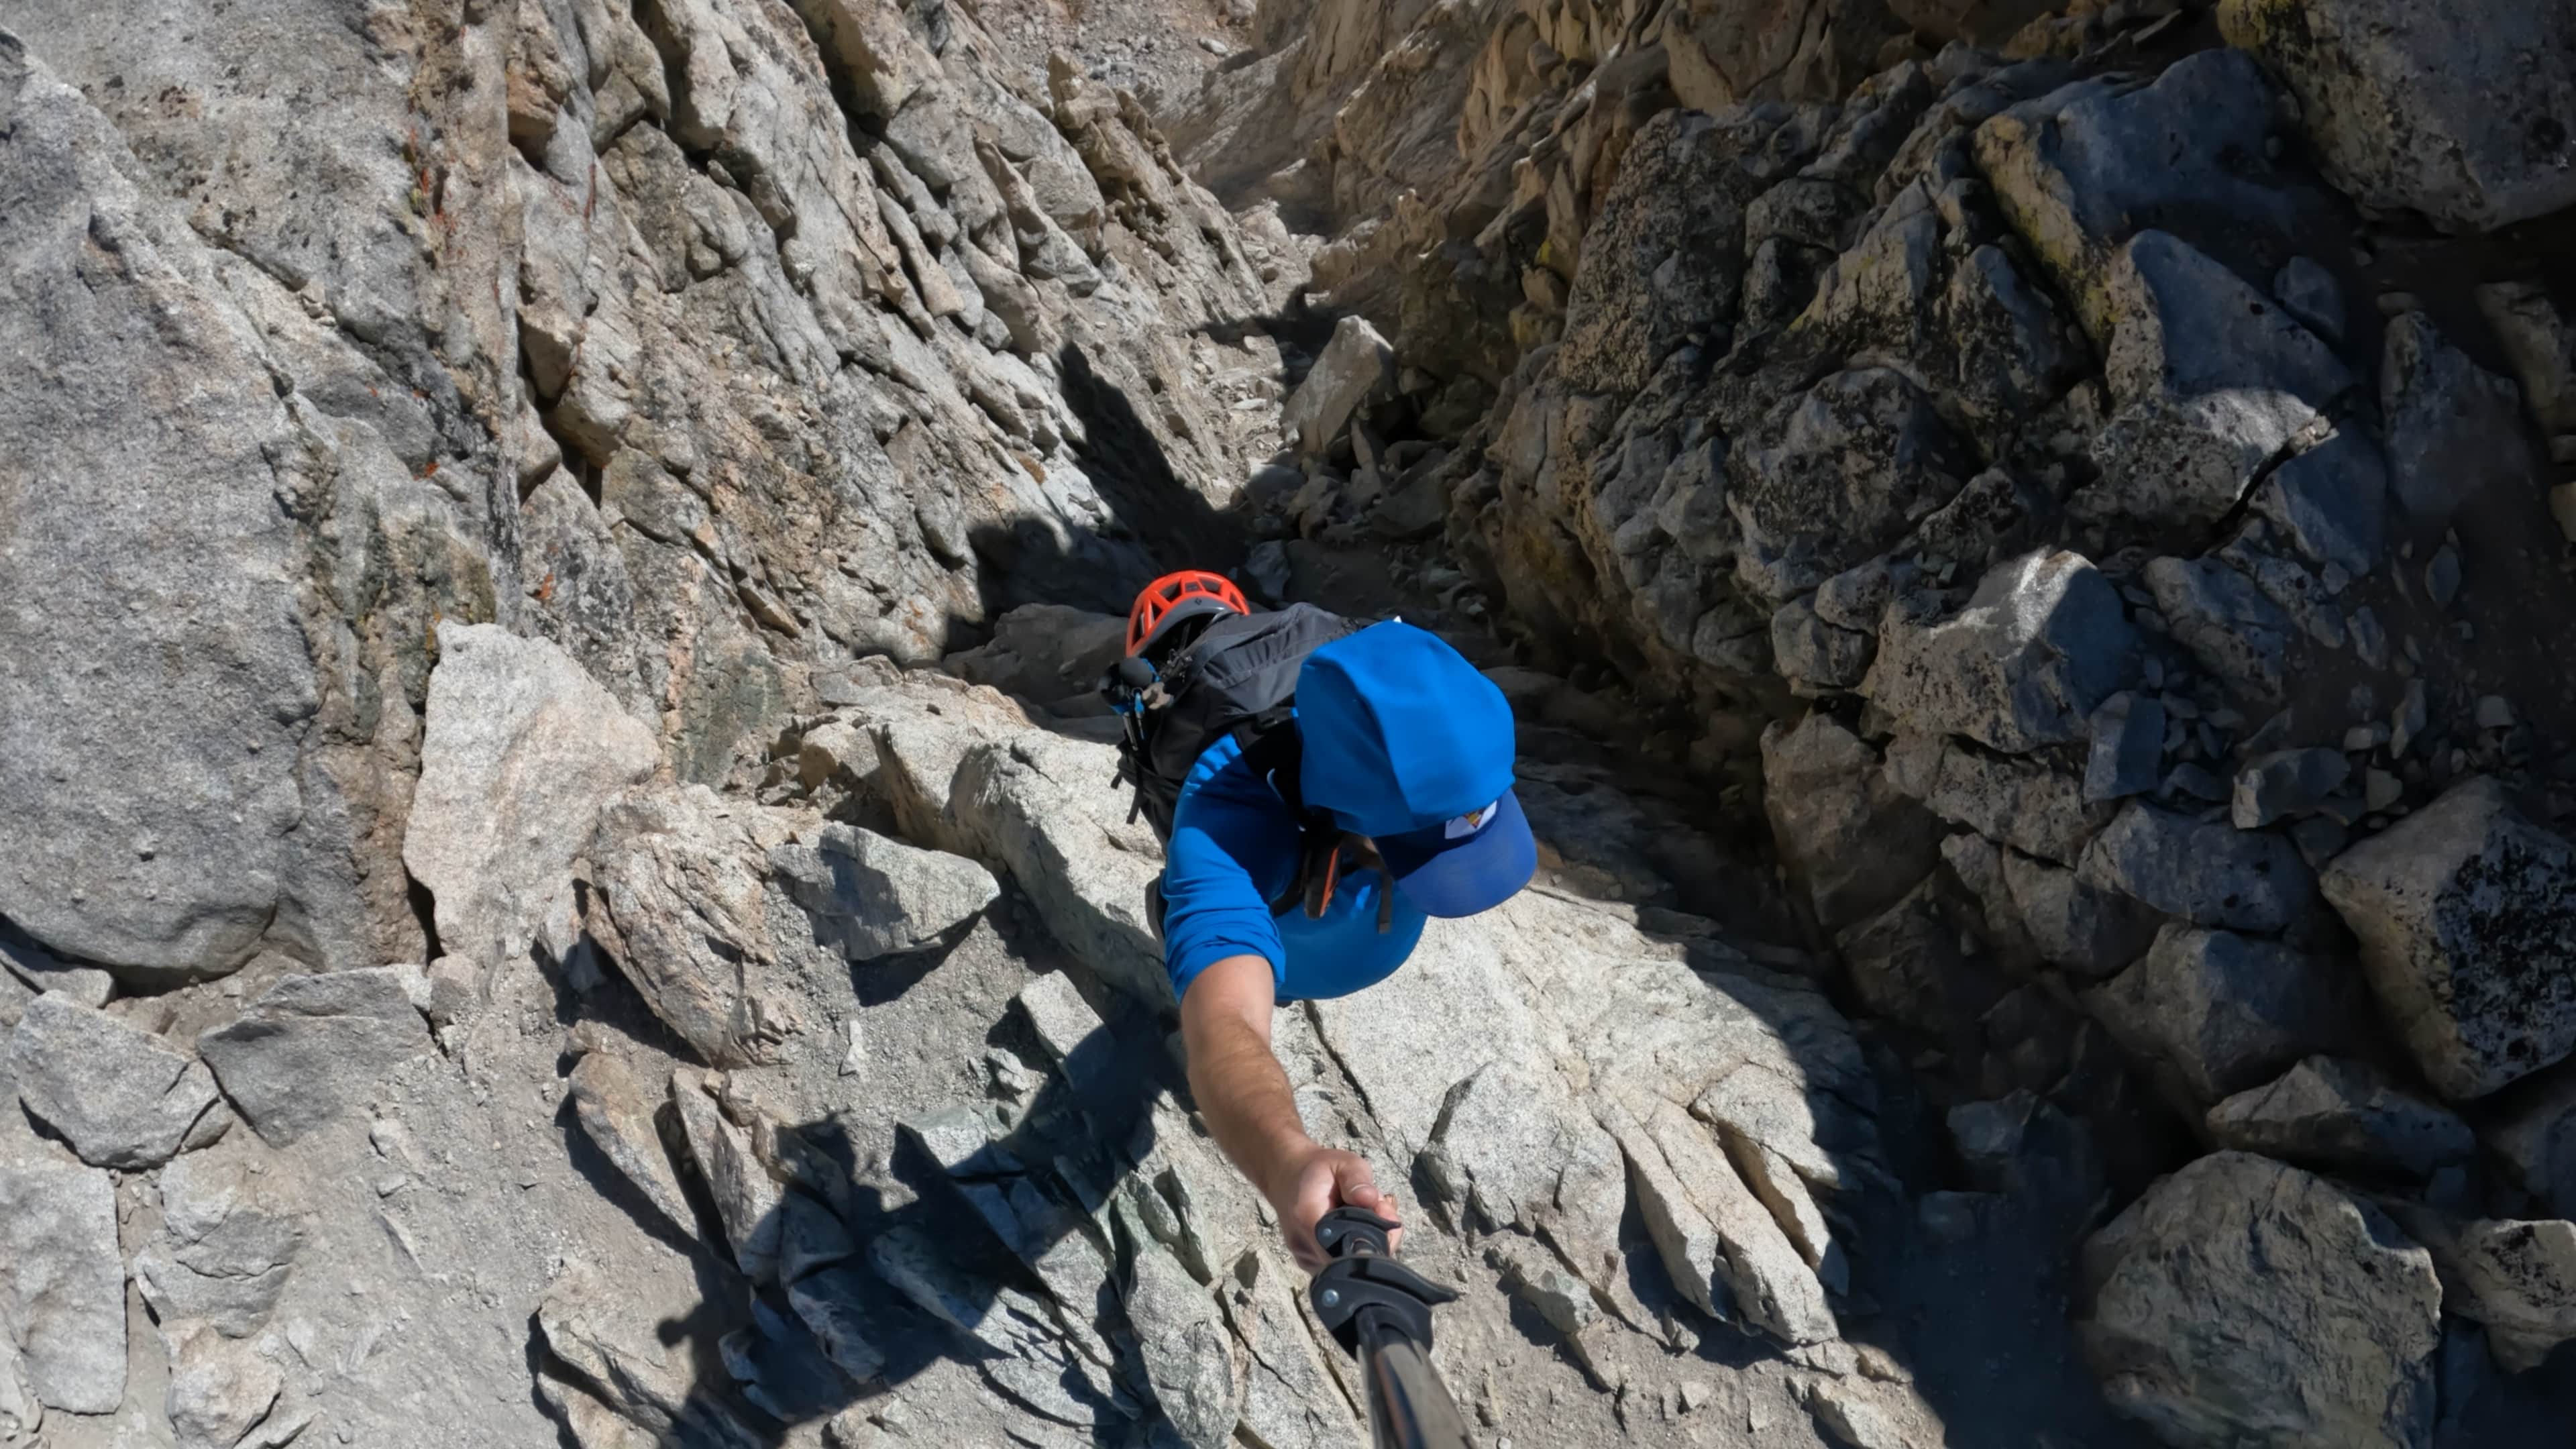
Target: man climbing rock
(1323, 789)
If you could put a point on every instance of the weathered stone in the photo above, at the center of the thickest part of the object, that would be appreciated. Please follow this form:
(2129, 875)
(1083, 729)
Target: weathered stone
(747, 1198)
(2090, 932)
(2542, 346)
(2332, 501)
(520, 747)
(2534, 1135)
(313, 1045)
(2333, 1314)
(1814, 654)
(616, 1110)
(1029, 1361)
(1725, 1251)
(2223, 1012)
(1664, 255)
(2019, 802)
(2333, 1115)
(833, 1302)
(2284, 784)
(2226, 622)
(219, 1387)
(2467, 117)
(2127, 753)
(65, 1279)
(681, 900)
(2466, 913)
(119, 1095)
(2043, 642)
(232, 1223)
(2202, 872)
(2454, 429)
(1847, 832)
(871, 895)
(1836, 474)
(1355, 369)
(1289, 1398)
(23, 961)
(1189, 1357)
(1522, 1156)
(2211, 378)
(2517, 1278)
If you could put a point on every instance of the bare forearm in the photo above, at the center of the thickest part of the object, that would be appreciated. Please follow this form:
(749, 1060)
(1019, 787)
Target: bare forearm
(1245, 1097)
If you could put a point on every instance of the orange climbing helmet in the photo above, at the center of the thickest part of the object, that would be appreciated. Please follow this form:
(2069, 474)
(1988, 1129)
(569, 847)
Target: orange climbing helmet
(1178, 596)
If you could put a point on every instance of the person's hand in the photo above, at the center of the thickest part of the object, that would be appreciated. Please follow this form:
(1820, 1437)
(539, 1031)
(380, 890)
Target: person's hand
(1314, 1183)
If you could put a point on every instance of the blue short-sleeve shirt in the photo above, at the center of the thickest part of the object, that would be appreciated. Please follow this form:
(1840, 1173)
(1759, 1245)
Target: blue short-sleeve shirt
(1234, 845)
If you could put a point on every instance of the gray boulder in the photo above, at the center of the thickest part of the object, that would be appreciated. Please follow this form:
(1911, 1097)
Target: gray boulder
(2454, 428)
(312, 1046)
(2516, 1278)
(1834, 475)
(2081, 928)
(2334, 1115)
(1355, 369)
(2200, 871)
(1726, 1253)
(232, 1224)
(2212, 379)
(1855, 840)
(616, 1111)
(2466, 914)
(871, 895)
(2223, 1013)
(1190, 1358)
(682, 899)
(63, 1275)
(2041, 644)
(2226, 622)
(2465, 114)
(2019, 802)
(519, 749)
(1515, 1152)
(2332, 501)
(747, 1198)
(119, 1095)
(2331, 1316)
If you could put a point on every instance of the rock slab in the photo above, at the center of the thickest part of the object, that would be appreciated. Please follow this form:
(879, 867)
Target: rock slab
(119, 1095)
(312, 1046)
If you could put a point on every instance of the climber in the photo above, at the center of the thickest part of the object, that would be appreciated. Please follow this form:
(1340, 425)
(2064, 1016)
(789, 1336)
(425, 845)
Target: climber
(1322, 789)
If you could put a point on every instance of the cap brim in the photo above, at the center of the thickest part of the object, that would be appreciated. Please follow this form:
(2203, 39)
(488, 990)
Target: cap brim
(1468, 876)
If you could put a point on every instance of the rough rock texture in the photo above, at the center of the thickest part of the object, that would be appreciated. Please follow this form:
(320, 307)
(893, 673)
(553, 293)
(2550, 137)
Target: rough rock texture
(2332, 1311)
(66, 1290)
(871, 895)
(2224, 1013)
(312, 1047)
(2516, 1278)
(120, 1096)
(2334, 1115)
(2464, 912)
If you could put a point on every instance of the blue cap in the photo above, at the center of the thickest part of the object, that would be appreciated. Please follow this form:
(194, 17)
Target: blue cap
(1404, 742)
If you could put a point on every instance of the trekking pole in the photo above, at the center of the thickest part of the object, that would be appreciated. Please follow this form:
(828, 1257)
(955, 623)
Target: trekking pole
(1380, 1312)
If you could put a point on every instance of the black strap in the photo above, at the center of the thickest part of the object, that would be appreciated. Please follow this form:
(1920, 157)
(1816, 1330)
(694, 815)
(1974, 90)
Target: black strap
(1272, 750)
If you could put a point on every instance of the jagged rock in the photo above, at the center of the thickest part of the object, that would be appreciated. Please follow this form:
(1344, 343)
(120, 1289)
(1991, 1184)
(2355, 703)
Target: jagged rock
(2202, 872)
(2284, 784)
(1189, 1357)
(2542, 346)
(2517, 1278)
(747, 1198)
(2534, 1136)
(41, 970)
(1815, 655)
(2224, 1012)
(2334, 1115)
(1030, 1361)
(1355, 369)
(2090, 932)
(2226, 622)
(1721, 56)
(314, 1044)
(1853, 1416)
(641, 1386)
(2019, 802)
(781, 1368)
(2026, 1149)
(2043, 642)
(1046, 653)
(1289, 1399)
(616, 1109)
(871, 895)
(519, 748)
(1725, 1252)
(119, 1095)
(1836, 474)
(2211, 379)
(2332, 501)
(1522, 1156)
(1850, 835)
(2127, 752)
(1049, 1235)
(1627, 309)
(2333, 1314)
(65, 1279)
(811, 1237)
(21, 1412)
(2466, 118)
(834, 1304)
(231, 1226)
(219, 1387)
(681, 899)
(2464, 911)
(1557, 1296)
(2454, 429)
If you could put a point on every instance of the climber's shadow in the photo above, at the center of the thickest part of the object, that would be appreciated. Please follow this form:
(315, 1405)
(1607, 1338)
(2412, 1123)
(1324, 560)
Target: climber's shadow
(926, 1276)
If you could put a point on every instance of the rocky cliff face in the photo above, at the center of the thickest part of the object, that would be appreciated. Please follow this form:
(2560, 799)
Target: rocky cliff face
(560, 880)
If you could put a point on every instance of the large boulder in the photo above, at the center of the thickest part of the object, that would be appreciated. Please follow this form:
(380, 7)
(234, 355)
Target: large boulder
(2466, 914)
(119, 1095)
(2335, 1115)
(2222, 1013)
(520, 748)
(1355, 369)
(872, 895)
(2516, 1278)
(312, 1046)
(2465, 113)
(1846, 831)
(2042, 642)
(63, 1279)
(2244, 1302)
(2200, 871)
